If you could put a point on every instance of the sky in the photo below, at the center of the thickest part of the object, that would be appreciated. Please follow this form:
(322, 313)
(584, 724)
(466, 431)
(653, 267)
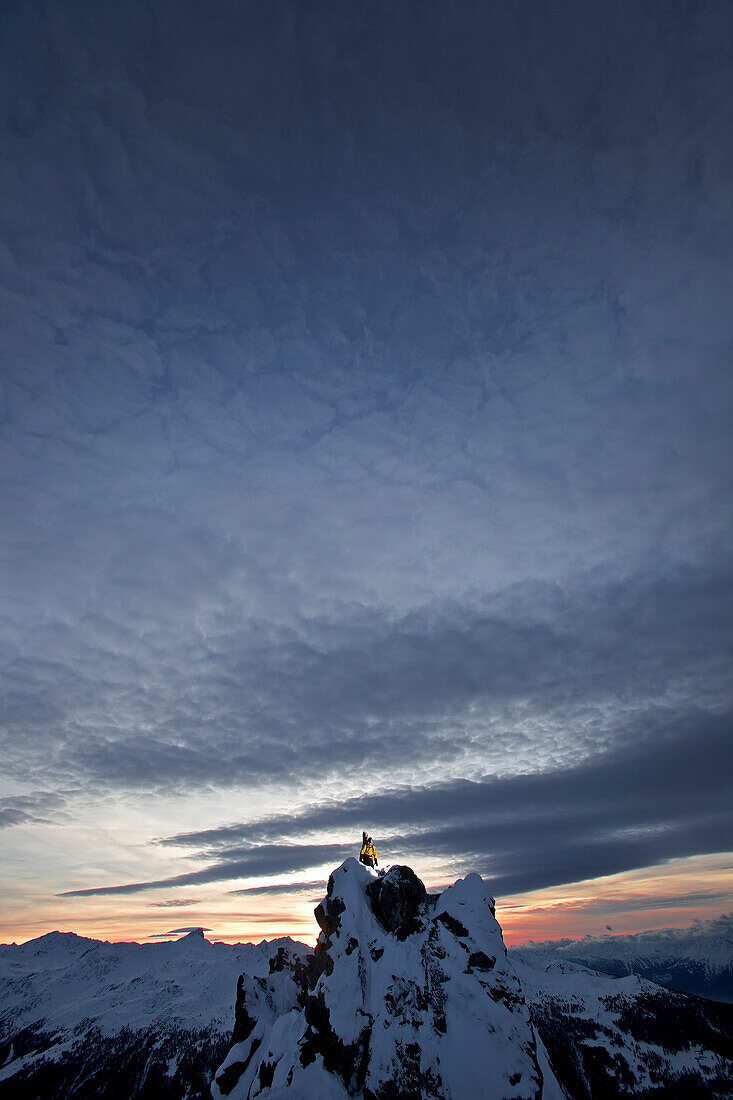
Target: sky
(366, 459)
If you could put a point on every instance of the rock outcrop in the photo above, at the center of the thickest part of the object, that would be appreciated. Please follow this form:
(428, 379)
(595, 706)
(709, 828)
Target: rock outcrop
(407, 995)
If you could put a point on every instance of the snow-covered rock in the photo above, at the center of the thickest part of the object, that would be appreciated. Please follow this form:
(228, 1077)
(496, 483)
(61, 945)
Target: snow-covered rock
(406, 995)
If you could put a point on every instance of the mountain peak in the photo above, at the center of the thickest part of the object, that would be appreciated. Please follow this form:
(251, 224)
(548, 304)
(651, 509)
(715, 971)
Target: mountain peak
(406, 994)
(196, 933)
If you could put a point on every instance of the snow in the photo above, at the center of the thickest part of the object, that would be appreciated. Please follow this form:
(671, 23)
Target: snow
(62, 978)
(314, 1083)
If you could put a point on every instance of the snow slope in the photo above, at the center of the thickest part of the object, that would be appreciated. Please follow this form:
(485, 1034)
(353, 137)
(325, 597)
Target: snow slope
(69, 1006)
(616, 1037)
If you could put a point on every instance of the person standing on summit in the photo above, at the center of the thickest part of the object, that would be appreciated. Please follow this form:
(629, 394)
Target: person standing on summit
(368, 853)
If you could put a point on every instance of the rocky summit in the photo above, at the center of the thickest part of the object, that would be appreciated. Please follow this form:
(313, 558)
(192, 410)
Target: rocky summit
(407, 995)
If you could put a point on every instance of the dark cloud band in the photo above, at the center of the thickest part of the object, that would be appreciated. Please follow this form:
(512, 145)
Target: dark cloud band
(626, 809)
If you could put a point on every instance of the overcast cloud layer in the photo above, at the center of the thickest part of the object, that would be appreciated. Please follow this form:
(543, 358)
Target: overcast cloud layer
(366, 404)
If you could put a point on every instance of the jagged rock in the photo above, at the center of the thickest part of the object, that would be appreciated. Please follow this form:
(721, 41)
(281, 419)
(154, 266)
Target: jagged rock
(479, 960)
(452, 924)
(328, 912)
(243, 1022)
(408, 996)
(397, 898)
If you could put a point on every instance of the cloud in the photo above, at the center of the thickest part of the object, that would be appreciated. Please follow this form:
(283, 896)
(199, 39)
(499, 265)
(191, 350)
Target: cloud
(690, 942)
(173, 903)
(31, 809)
(695, 899)
(11, 816)
(366, 413)
(533, 675)
(260, 860)
(624, 809)
(680, 770)
(282, 888)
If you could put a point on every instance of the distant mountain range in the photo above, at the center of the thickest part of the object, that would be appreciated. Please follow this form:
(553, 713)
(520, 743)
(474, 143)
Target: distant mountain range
(407, 995)
(696, 960)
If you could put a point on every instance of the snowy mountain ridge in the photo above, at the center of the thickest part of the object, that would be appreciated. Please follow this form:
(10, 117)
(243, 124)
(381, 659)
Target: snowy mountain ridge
(613, 1037)
(698, 959)
(70, 1006)
(187, 982)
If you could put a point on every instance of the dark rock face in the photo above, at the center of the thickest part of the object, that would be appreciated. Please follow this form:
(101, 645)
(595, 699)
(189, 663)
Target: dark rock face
(329, 911)
(397, 898)
(452, 924)
(229, 1077)
(479, 960)
(346, 1061)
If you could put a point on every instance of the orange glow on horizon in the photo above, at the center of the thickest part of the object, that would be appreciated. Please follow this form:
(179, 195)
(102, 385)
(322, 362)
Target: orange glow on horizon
(631, 902)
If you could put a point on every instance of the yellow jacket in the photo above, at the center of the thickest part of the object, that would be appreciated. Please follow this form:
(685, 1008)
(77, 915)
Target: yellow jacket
(368, 851)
